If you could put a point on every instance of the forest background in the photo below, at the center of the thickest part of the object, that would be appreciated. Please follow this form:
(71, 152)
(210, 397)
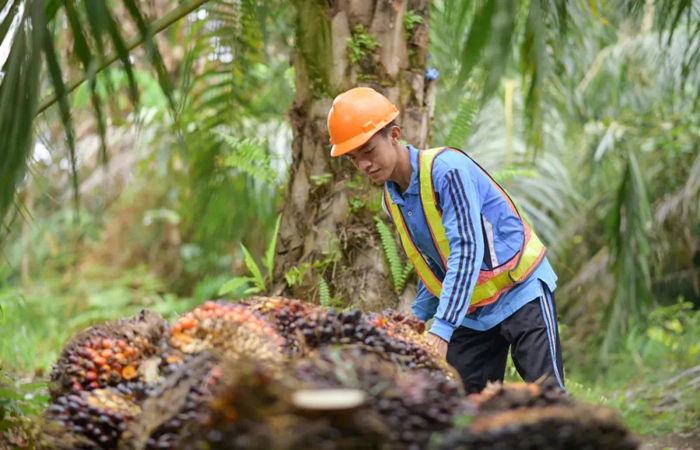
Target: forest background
(196, 166)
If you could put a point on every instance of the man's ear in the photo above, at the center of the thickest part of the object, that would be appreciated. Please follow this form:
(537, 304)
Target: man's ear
(395, 132)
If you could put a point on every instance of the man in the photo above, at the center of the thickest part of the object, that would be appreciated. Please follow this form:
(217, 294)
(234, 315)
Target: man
(483, 272)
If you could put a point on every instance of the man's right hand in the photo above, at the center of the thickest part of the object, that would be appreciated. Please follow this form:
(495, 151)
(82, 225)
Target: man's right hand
(438, 343)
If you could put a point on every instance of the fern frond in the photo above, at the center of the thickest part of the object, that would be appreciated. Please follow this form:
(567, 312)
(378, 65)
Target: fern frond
(324, 293)
(405, 273)
(463, 125)
(392, 255)
(250, 157)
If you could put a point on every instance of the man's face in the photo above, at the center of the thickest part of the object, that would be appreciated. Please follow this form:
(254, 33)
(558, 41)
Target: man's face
(377, 158)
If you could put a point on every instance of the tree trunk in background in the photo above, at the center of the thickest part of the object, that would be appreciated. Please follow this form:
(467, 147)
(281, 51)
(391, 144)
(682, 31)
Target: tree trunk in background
(328, 228)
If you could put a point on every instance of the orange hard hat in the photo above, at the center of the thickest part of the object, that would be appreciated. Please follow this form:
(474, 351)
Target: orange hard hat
(356, 115)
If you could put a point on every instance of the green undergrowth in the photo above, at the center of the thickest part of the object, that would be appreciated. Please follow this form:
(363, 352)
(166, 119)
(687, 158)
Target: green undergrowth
(654, 379)
(35, 321)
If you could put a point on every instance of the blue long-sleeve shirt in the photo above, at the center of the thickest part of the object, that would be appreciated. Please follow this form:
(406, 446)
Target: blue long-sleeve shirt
(483, 233)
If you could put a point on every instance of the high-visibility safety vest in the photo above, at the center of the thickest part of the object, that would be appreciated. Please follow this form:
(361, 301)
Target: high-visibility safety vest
(491, 283)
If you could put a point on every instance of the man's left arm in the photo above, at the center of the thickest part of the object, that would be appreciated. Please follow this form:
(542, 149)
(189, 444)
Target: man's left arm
(461, 217)
(425, 304)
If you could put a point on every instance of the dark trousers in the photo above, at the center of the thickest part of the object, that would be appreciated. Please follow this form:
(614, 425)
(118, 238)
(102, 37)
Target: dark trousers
(532, 335)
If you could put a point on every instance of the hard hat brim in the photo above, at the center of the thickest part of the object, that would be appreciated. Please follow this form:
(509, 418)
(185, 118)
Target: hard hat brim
(359, 140)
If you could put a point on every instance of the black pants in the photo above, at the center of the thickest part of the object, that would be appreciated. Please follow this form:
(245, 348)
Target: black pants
(532, 335)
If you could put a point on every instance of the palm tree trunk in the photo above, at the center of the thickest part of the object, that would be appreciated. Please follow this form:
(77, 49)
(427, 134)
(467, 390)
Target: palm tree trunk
(328, 227)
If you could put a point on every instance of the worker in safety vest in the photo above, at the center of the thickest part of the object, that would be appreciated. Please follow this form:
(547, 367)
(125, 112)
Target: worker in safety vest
(483, 272)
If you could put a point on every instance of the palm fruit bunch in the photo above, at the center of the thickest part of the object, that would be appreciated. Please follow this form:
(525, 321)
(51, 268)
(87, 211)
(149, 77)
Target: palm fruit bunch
(282, 313)
(504, 397)
(88, 419)
(548, 428)
(401, 326)
(255, 407)
(233, 329)
(397, 321)
(107, 355)
(174, 404)
(306, 327)
(325, 326)
(411, 405)
(235, 417)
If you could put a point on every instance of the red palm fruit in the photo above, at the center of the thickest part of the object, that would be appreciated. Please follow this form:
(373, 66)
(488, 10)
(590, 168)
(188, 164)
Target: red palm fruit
(210, 305)
(100, 361)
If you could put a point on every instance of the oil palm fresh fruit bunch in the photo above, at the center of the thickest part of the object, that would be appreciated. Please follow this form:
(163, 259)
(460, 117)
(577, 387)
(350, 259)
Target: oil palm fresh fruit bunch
(543, 428)
(504, 397)
(260, 407)
(173, 405)
(281, 313)
(107, 354)
(247, 396)
(306, 326)
(326, 326)
(410, 405)
(88, 419)
(235, 330)
(399, 322)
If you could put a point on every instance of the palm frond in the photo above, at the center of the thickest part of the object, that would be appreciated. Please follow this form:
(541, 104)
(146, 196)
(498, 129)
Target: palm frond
(146, 32)
(31, 36)
(85, 55)
(234, 103)
(658, 68)
(54, 67)
(532, 67)
(19, 93)
(629, 224)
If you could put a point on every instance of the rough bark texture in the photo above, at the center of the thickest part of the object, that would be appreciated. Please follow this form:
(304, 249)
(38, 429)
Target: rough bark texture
(328, 212)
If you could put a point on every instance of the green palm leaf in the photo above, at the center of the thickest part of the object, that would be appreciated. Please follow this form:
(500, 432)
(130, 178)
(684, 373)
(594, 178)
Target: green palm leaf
(19, 87)
(19, 95)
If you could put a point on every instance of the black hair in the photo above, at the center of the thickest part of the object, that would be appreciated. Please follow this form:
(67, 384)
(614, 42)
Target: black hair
(384, 131)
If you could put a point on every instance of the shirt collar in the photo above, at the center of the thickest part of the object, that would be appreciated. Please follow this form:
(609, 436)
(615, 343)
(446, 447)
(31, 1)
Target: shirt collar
(413, 185)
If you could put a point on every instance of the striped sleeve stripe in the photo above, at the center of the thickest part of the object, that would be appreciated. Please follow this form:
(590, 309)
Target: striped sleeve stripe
(547, 314)
(471, 240)
(460, 227)
(465, 270)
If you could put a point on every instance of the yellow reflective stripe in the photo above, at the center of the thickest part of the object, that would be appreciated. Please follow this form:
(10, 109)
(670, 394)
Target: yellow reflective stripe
(430, 209)
(432, 283)
(533, 249)
(488, 289)
(534, 252)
